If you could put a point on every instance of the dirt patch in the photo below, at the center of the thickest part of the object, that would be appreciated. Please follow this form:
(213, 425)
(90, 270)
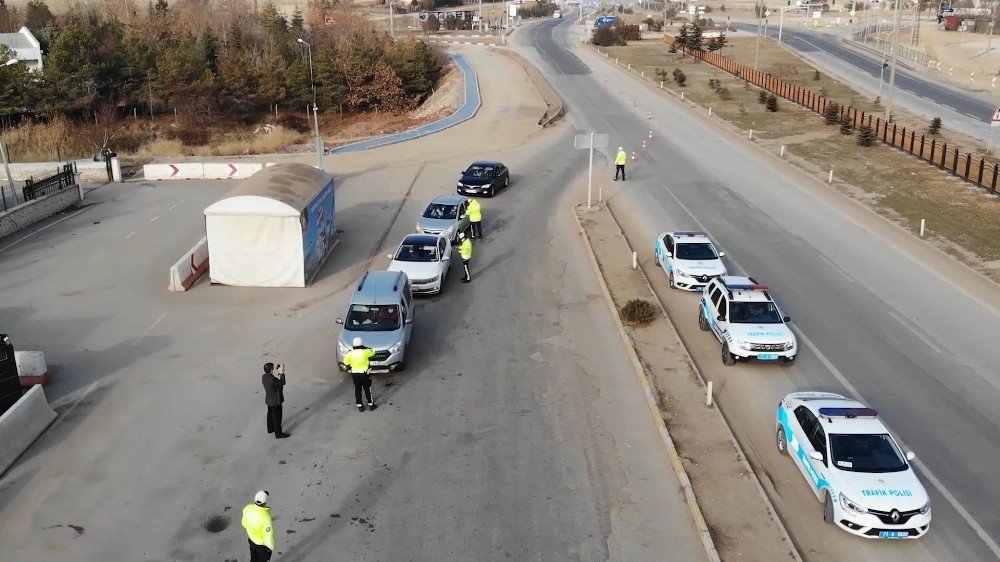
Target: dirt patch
(716, 467)
(554, 106)
(961, 219)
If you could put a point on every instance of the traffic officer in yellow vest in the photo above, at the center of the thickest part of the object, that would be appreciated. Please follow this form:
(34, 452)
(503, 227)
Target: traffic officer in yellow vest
(620, 161)
(260, 529)
(476, 218)
(357, 360)
(465, 250)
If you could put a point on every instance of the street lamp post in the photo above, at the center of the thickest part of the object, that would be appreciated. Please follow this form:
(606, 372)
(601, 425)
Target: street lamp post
(315, 109)
(894, 51)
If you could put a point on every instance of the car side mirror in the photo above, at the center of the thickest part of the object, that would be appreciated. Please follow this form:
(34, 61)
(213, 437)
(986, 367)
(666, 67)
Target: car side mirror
(446, 257)
(910, 455)
(787, 319)
(409, 320)
(722, 254)
(388, 256)
(340, 320)
(816, 456)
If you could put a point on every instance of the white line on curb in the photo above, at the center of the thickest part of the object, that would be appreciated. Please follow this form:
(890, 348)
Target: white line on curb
(25, 237)
(129, 235)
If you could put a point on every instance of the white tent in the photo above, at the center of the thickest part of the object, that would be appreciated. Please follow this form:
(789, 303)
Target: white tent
(274, 230)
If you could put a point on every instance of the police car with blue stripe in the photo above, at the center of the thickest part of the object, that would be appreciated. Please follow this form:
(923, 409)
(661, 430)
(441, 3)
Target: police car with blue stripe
(689, 259)
(746, 321)
(853, 465)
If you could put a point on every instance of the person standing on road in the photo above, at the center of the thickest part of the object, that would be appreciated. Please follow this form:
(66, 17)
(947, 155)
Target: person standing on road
(465, 250)
(357, 360)
(274, 396)
(620, 161)
(260, 528)
(476, 218)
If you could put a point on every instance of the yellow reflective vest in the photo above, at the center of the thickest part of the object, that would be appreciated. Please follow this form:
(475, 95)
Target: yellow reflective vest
(621, 159)
(475, 211)
(357, 359)
(257, 522)
(465, 250)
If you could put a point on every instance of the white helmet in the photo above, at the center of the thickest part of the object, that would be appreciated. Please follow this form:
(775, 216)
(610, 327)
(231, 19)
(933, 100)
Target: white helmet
(260, 498)
(461, 236)
(356, 342)
(620, 148)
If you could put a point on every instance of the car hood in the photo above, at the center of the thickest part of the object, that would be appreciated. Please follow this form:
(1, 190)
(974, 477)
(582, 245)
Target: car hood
(376, 340)
(762, 333)
(470, 180)
(435, 224)
(417, 269)
(883, 491)
(701, 267)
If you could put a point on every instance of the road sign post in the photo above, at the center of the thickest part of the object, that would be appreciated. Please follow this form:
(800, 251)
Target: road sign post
(994, 122)
(590, 142)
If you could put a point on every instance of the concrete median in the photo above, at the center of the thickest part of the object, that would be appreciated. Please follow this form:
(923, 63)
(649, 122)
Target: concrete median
(22, 424)
(231, 171)
(180, 171)
(31, 368)
(189, 268)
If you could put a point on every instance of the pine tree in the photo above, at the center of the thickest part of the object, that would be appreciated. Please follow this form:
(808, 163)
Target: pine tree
(935, 127)
(866, 136)
(772, 103)
(682, 37)
(831, 113)
(846, 127)
(695, 40)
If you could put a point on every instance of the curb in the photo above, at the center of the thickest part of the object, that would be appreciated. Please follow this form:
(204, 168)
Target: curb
(732, 436)
(640, 373)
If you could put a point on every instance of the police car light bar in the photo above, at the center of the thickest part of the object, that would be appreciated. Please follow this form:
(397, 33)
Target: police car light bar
(848, 412)
(690, 233)
(746, 287)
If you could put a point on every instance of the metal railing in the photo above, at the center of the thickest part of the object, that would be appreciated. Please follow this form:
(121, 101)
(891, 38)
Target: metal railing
(46, 186)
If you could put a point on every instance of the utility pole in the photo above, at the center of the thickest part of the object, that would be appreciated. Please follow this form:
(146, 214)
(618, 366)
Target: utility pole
(10, 179)
(392, 28)
(315, 109)
(895, 53)
(756, 54)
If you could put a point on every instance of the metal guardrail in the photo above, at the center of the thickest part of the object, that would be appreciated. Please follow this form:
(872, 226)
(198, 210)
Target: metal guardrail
(45, 186)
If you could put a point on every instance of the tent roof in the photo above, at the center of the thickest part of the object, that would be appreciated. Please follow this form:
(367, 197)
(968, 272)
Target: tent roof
(280, 190)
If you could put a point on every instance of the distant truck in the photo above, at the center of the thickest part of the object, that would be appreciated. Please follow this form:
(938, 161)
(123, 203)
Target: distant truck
(606, 21)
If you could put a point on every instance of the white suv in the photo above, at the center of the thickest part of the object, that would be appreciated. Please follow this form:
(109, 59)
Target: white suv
(741, 314)
(689, 259)
(853, 466)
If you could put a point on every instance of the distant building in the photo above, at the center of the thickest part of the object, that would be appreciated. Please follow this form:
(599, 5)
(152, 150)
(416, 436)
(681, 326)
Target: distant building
(26, 48)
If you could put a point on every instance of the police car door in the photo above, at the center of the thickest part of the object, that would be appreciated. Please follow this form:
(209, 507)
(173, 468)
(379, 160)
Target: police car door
(805, 434)
(407, 312)
(720, 322)
(668, 261)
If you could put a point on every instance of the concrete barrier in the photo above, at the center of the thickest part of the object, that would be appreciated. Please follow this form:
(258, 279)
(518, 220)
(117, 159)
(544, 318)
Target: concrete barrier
(27, 214)
(179, 171)
(189, 268)
(31, 368)
(22, 424)
(231, 171)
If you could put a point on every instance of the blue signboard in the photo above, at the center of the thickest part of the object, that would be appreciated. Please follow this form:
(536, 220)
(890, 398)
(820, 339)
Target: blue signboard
(318, 231)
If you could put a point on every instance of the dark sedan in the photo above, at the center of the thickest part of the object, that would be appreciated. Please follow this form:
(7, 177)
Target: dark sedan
(484, 178)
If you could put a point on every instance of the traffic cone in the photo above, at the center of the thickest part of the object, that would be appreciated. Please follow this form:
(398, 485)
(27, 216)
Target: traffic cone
(633, 156)
(651, 135)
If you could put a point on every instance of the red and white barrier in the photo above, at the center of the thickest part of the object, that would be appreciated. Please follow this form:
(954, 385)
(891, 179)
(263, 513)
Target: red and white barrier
(22, 424)
(31, 368)
(231, 171)
(189, 268)
(182, 171)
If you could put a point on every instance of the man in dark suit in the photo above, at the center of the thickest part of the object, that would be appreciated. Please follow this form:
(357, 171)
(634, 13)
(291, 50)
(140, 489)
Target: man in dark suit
(274, 394)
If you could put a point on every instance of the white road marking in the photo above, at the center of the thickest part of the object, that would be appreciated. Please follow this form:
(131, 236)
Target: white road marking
(976, 527)
(66, 414)
(170, 208)
(150, 328)
(836, 268)
(154, 219)
(922, 337)
(97, 257)
(949, 107)
(129, 235)
(22, 239)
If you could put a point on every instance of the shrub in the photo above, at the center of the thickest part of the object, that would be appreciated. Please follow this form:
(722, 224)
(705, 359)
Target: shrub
(724, 93)
(832, 113)
(671, 13)
(722, 7)
(450, 23)
(772, 103)
(606, 37)
(824, 92)
(935, 127)
(761, 96)
(190, 134)
(293, 121)
(679, 77)
(672, 48)
(846, 127)
(638, 312)
(714, 84)
(816, 75)
(866, 136)
(629, 32)
(654, 25)
(746, 85)
(432, 24)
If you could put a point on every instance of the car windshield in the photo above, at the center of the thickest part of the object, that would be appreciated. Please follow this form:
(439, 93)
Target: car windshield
(866, 453)
(479, 172)
(698, 251)
(372, 318)
(754, 313)
(440, 211)
(416, 252)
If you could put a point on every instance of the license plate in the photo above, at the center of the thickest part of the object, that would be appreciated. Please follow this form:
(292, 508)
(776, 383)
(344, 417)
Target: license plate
(893, 534)
(699, 289)
(767, 356)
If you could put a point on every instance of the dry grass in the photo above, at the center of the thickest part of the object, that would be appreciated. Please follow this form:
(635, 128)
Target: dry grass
(896, 185)
(225, 144)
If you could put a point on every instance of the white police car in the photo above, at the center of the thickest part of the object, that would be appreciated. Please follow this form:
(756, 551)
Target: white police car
(854, 466)
(689, 259)
(741, 314)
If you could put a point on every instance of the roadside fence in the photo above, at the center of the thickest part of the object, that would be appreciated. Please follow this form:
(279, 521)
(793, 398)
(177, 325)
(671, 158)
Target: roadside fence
(45, 186)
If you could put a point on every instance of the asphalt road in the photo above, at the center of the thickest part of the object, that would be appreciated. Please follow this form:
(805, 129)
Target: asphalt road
(516, 433)
(879, 314)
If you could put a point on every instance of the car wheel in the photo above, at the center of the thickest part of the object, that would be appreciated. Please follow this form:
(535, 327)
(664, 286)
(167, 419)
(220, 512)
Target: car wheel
(493, 190)
(828, 508)
(401, 366)
(727, 358)
(782, 441)
(506, 182)
(672, 284)
(656, 258)
(702, 322)
(441, 286)
(788, 362)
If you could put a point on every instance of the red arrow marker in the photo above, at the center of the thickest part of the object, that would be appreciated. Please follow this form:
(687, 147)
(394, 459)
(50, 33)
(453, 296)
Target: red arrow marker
(176, 169)
(234, 170)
